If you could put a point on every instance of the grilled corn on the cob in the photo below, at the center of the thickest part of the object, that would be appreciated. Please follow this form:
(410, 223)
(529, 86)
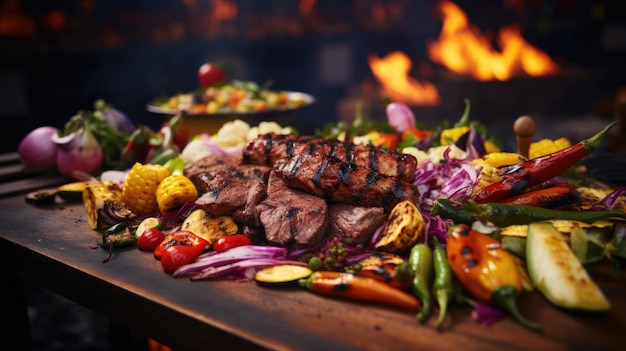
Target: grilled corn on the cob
(488, 175)
(95, 196)
(173, 192)
(139, 191)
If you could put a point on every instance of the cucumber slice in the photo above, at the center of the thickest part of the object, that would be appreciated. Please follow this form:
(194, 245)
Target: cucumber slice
(282, 275)
(558, 274)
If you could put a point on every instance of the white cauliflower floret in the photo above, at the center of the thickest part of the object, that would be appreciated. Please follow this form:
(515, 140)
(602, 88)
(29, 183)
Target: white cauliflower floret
(266, 127)
(195, 150)
(233, 133)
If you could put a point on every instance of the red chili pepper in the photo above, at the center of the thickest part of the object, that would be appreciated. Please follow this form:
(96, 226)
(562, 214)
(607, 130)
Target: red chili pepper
(552, 197)
(518, 177)
(180, 238)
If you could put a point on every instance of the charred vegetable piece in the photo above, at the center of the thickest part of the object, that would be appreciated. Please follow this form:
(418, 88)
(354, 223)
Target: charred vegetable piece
(503, 215)
(404, 227)
(487, 271)
(551, 197)
(353, 287)
(118, 235)
(41, 197)
(95, 196)
(72, 191)
(397, 275)
(516, 178)
(210, 228)
(557, 272)
(283, 275)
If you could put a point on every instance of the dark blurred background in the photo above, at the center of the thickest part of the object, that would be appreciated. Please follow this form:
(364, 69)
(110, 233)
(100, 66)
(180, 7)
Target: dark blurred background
(58, 57)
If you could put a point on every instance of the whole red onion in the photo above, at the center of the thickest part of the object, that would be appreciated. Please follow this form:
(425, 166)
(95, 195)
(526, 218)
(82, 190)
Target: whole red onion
(80, 154)
(37, 150)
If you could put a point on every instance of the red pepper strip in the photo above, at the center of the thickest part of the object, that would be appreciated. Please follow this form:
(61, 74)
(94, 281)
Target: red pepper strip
(360, 288)
(181, 237)
(552, 197)
(518, 177)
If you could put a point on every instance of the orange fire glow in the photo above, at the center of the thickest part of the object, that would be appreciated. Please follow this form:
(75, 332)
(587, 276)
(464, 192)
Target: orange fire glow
(392, 72)
(463, 49)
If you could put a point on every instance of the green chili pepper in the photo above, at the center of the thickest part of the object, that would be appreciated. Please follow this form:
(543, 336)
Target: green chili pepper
(449, 209)
(118, 235)
(503, 215)
(421, 262)
(442, 286)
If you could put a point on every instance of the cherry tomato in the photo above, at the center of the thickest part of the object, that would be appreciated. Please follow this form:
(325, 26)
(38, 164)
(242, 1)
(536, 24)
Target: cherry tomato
(178, 255)
(180, 238)
(209, 74)
(150, 239)
(230, 241)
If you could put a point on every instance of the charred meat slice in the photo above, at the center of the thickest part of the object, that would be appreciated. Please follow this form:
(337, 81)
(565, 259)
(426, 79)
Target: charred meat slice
(291, 217)
(331, 179)
(269, 148)
(226, 189)
(207, 163)
(354, 225)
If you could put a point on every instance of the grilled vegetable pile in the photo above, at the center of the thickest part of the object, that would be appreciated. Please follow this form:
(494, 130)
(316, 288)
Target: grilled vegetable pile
(433, 220)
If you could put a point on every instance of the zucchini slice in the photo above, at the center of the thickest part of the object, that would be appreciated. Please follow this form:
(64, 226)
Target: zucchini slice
(282, 275)
(558, 274)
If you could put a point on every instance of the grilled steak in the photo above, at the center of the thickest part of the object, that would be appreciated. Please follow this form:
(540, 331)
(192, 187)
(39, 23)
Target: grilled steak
(226, 189)
(354, 225)
(291, 217)
(206, 163)
(269, 148)
(331, 179)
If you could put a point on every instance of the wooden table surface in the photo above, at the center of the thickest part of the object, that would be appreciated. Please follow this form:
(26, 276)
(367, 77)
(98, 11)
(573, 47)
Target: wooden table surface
(54, 247)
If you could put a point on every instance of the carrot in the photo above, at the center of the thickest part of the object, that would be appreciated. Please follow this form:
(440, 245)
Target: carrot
(360, 288)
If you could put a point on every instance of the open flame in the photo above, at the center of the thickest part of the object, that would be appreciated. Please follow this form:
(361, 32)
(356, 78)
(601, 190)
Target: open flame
(463, 49)
(392, 72)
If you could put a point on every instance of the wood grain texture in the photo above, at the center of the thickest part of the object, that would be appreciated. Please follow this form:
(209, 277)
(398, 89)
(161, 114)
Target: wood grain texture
(54, 247)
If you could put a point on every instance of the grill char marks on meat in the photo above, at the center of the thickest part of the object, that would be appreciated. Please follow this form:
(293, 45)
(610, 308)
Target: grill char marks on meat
(232, 190)
(334, 180)
(269, 148)
(291, 217)
(206, 163)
